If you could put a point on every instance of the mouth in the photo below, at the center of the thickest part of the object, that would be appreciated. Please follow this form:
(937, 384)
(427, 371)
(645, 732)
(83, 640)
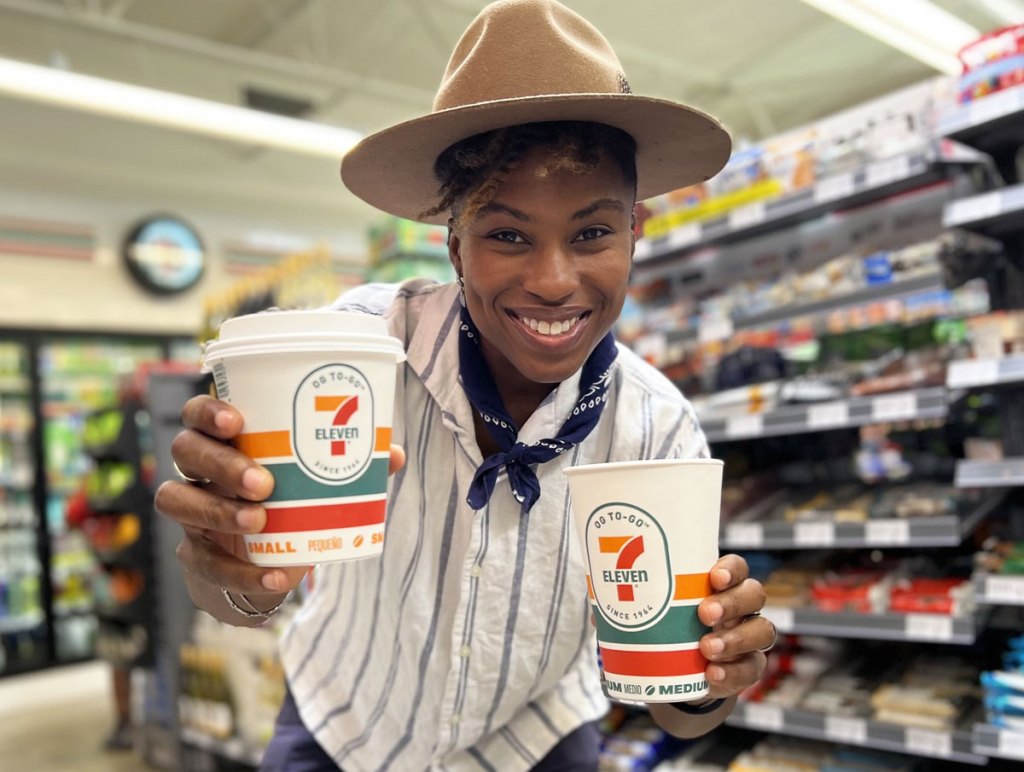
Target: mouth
(551, 330)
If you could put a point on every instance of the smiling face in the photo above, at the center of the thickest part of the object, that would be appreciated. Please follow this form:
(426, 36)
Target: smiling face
(545, 265)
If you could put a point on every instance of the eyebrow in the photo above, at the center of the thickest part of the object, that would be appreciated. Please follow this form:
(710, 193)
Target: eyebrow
(602, 203)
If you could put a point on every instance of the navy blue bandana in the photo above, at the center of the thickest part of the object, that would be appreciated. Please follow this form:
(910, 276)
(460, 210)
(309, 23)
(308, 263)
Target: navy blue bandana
(515, 456)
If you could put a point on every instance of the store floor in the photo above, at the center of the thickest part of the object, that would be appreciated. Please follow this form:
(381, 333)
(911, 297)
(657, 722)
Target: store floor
(57, 720)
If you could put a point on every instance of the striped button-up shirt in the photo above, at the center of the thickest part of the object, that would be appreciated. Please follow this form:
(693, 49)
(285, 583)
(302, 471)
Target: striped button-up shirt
(468, 644)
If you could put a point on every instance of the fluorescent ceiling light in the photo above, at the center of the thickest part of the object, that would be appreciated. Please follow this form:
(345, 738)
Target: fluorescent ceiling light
(1004, 11)
(918, 28)
(174, 111)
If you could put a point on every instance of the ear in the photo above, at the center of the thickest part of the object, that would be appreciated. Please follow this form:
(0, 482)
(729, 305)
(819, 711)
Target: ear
(454, 248)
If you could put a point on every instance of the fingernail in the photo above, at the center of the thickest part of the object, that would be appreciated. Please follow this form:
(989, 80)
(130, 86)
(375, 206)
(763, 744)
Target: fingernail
(248, 518)
(715, 673)
(713, 611)
(223, 420)
(725, 576)
(254, 480)
(272, 580)
(717, 646)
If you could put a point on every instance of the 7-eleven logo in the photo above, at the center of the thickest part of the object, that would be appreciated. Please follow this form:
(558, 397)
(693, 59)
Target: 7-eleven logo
(629, 548)
(343, 408)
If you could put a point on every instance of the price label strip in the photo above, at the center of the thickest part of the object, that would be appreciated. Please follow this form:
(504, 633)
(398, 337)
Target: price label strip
(885, 533)
(684, 236)
(928, 627)
(842, 729)
(894, 407)
(767, 717)
(828, 415)
(747, 216)
(833, 188)
(973, 372)
(814, 534)
(744, 534)
(927, 742)
(976, 208)
(782, 618)
(1011, 744)
(744, 426)
(1005, 589)
(883, 172)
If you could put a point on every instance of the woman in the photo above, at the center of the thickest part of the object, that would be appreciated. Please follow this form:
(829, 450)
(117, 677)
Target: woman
(469, 643)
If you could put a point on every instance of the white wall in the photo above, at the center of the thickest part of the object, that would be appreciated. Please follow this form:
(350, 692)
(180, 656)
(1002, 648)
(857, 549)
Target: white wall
(68, 294)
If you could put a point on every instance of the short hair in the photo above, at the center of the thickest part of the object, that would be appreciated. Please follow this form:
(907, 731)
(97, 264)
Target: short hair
(471, 171)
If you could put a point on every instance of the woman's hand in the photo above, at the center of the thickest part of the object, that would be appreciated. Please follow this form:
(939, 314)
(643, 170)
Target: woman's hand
(735, 647)
(217, 512)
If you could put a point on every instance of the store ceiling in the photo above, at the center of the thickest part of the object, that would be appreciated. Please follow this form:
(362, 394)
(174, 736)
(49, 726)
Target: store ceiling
(762, 66)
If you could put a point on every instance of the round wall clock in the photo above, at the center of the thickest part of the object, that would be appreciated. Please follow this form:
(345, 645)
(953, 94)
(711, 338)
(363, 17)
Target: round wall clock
(164, 255)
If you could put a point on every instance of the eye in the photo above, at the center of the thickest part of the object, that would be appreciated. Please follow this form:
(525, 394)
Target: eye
(589, 234)
(509, 237)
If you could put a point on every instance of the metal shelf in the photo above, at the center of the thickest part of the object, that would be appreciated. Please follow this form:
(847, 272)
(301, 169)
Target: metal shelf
(949, 745)
(825, 416)
(875, 181)
(948, 531)
(995, 213)
(976, 373)
(21, 623)
(990, 740)
(999, 590)
(988, 124)
(923, 628)
(1007, 472)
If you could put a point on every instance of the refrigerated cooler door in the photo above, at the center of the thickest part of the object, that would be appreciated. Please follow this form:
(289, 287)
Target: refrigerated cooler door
(23, 632)
(79, 376)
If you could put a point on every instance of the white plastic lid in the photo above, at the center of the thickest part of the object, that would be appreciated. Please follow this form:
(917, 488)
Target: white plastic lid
(274, 331)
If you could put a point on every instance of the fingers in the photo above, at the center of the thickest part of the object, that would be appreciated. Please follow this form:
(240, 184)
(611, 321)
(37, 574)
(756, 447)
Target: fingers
(729, 571)
(204, 509)
(735, 603)
(397, 459)
(210, 563)
(753, 634)
(728, 678)
(211, 417)
(200, 456)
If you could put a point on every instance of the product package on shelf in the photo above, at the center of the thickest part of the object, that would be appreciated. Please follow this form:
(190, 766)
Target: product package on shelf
(992, 63)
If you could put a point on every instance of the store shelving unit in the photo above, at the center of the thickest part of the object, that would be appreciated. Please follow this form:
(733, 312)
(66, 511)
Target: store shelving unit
(875, 181)
(942, 531)
(999, 590)
(995, 213)
(921, 628)
(954, 745)
(912, 405)
(985, 373)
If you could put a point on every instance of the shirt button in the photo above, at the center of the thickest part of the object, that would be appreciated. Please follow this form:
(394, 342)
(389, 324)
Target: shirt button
(464, 652)
(476, 570)
(454, 719)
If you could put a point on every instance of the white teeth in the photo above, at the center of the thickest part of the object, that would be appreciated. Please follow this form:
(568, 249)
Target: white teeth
(550, 328)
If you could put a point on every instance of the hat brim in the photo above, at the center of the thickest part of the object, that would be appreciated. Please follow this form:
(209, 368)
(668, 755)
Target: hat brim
(677, 145)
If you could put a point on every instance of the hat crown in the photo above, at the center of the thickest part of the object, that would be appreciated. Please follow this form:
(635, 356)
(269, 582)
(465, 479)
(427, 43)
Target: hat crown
(528, 48)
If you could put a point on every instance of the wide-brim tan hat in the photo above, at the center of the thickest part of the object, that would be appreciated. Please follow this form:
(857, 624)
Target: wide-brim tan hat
(524, 61)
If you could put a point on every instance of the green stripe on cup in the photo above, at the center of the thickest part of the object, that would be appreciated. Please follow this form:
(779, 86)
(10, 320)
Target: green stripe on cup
(679, 625)
(292, 484)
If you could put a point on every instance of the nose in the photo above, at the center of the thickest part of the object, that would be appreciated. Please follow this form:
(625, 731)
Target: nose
(551, 275)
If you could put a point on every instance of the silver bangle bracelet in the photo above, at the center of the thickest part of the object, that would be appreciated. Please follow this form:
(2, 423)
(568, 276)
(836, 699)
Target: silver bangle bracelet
(252, 612)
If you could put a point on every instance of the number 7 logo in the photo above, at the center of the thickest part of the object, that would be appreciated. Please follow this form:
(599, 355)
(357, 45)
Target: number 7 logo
(345, 408)
(629, 549)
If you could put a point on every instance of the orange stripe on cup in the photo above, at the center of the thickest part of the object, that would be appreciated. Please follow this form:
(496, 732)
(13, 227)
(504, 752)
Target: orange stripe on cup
(265, 444)
(321, 517)
(590, 588)
(279, 444)
(692, 586)
(649, 663)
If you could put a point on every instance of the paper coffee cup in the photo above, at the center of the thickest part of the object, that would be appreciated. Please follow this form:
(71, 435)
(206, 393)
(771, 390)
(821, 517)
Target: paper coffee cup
(316, 390)
(649, 532)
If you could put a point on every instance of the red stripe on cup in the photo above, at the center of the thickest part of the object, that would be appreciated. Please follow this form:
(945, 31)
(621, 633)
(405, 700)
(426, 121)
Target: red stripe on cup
(652, 663)
(324, 516)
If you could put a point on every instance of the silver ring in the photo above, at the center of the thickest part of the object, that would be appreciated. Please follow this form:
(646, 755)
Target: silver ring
(190, 480)
(775, 632)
